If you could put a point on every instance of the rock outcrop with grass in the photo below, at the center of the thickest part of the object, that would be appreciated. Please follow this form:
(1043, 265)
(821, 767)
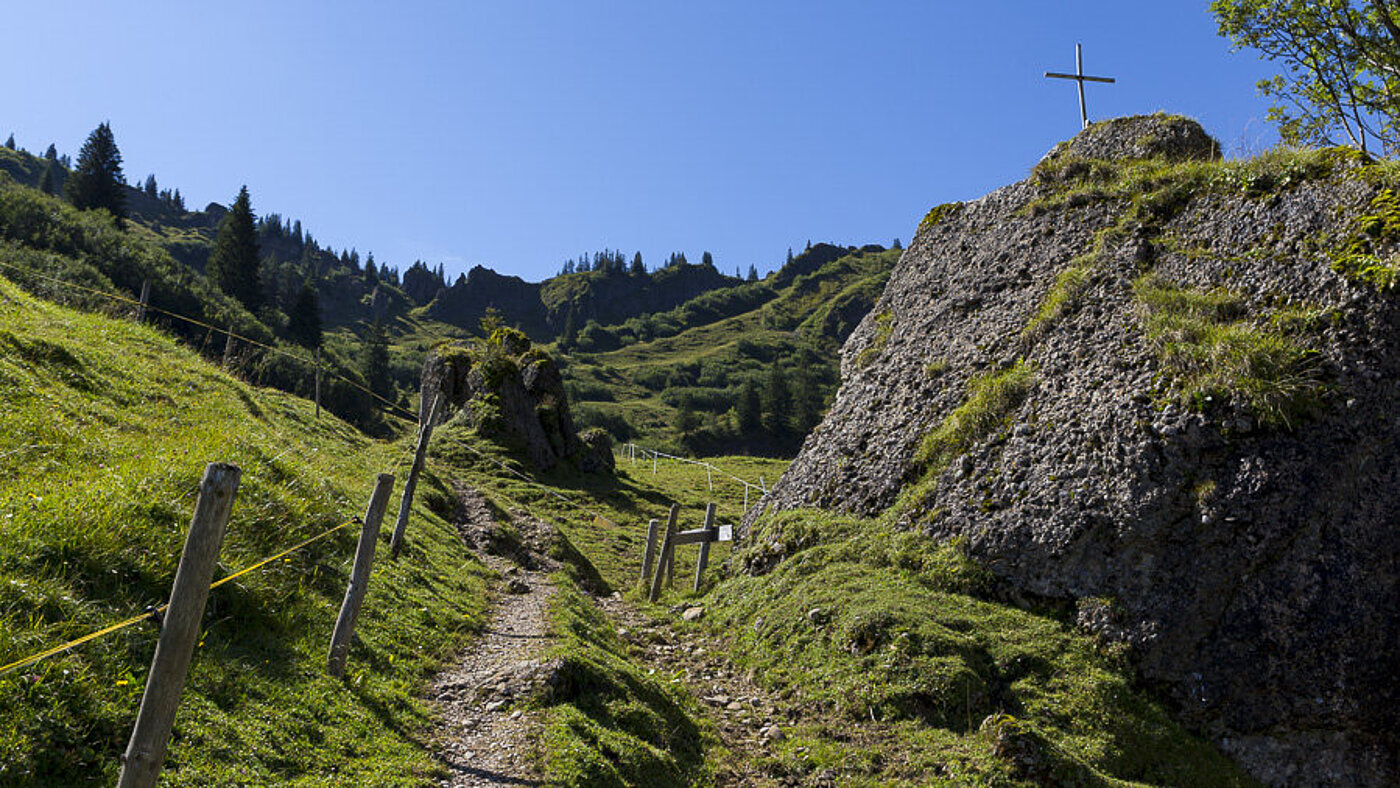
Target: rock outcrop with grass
(512, 394)
(1155, 390)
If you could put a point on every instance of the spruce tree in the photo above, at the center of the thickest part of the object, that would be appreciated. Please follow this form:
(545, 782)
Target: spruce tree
(304, 321)
(707, 260)
(750, 407)
(639, 268)
(47, 184)
(777, 401)
(234, 263)
(10, 143)
(376, 361)
(52, 153)
(753, 273)
(97, 180)
(149, 187)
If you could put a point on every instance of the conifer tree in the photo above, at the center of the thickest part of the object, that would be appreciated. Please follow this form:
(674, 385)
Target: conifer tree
(10, 143)
(897, 246)
(639, 268)
(376, 361)
(47, 184)
(233, 265)
(97, 181)
(750, 407)
(686, 420)
(753, 273)
(707, 260)
(149, 187)
(52, 153)
(304, 321)
(777, 401)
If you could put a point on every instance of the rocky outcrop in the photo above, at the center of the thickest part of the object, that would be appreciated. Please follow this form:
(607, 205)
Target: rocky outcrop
(1160, 390)
(512, 394)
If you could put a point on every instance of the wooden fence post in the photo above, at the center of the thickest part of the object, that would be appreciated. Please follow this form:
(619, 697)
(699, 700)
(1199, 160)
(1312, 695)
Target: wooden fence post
(145, 300)
(649, 557)
(709, 479)
(359, 576)
(228, 348)
(425, 433)
(668, 549)
(654, 455)
(704, 546)
(145, 754)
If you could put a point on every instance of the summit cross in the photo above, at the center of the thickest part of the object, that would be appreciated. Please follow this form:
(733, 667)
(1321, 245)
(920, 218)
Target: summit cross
(1078, 76)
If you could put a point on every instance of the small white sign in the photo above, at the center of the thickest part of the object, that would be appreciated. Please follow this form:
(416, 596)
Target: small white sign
(726, 533)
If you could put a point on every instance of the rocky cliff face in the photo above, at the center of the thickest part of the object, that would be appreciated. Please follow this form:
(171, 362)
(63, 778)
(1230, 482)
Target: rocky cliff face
(1160, 388)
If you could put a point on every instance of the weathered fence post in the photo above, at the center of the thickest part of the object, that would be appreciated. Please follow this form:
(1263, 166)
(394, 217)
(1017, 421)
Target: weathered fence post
(668, 549)
(359, 576)
(180, 627)
(425, 433)
(709, 479)
(746, 497)
(228, 348)
(318, 382)
(145, 300)
(654, 455)
(649, 557)
(704, 546)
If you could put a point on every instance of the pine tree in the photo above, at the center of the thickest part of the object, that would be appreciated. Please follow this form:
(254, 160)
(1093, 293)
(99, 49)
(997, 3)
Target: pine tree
(371, 272)
(376, 361)
(639, 268)
(707, 260)
(777, 401)
(10, 143)
(686, 420)
(97, 181)
(47, 184)
(750, 407)
(304, 321)
(789, 256)
(753, 273)
(233, 265)
(149, 187)
(52, 153)
(897, 246)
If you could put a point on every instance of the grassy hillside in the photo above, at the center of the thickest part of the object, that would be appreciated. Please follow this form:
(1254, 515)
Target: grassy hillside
(637, 379)
(104, 432)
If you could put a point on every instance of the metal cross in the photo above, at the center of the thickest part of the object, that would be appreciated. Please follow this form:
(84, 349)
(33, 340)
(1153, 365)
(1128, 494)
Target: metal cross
(1078, 76)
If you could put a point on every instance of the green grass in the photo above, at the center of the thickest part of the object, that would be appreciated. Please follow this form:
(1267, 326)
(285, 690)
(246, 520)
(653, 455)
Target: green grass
(607, 721)
(1063, 294)
(104, 434)
(1215, 354)
(991, 399)
(886, 639)
(884, 328)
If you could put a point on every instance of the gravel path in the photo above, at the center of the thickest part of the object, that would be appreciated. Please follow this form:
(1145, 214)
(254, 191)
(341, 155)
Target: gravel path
(483, 739)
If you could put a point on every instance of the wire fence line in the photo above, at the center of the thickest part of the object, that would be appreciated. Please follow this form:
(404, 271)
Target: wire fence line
(632, 450)
(226, 331)
(155, 612)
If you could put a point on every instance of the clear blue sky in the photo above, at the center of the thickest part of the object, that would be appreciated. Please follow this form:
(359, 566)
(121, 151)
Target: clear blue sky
(516, 134)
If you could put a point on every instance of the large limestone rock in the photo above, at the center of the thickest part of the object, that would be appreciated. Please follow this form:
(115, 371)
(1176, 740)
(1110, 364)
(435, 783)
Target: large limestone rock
(1250, 557)
(512, 394)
